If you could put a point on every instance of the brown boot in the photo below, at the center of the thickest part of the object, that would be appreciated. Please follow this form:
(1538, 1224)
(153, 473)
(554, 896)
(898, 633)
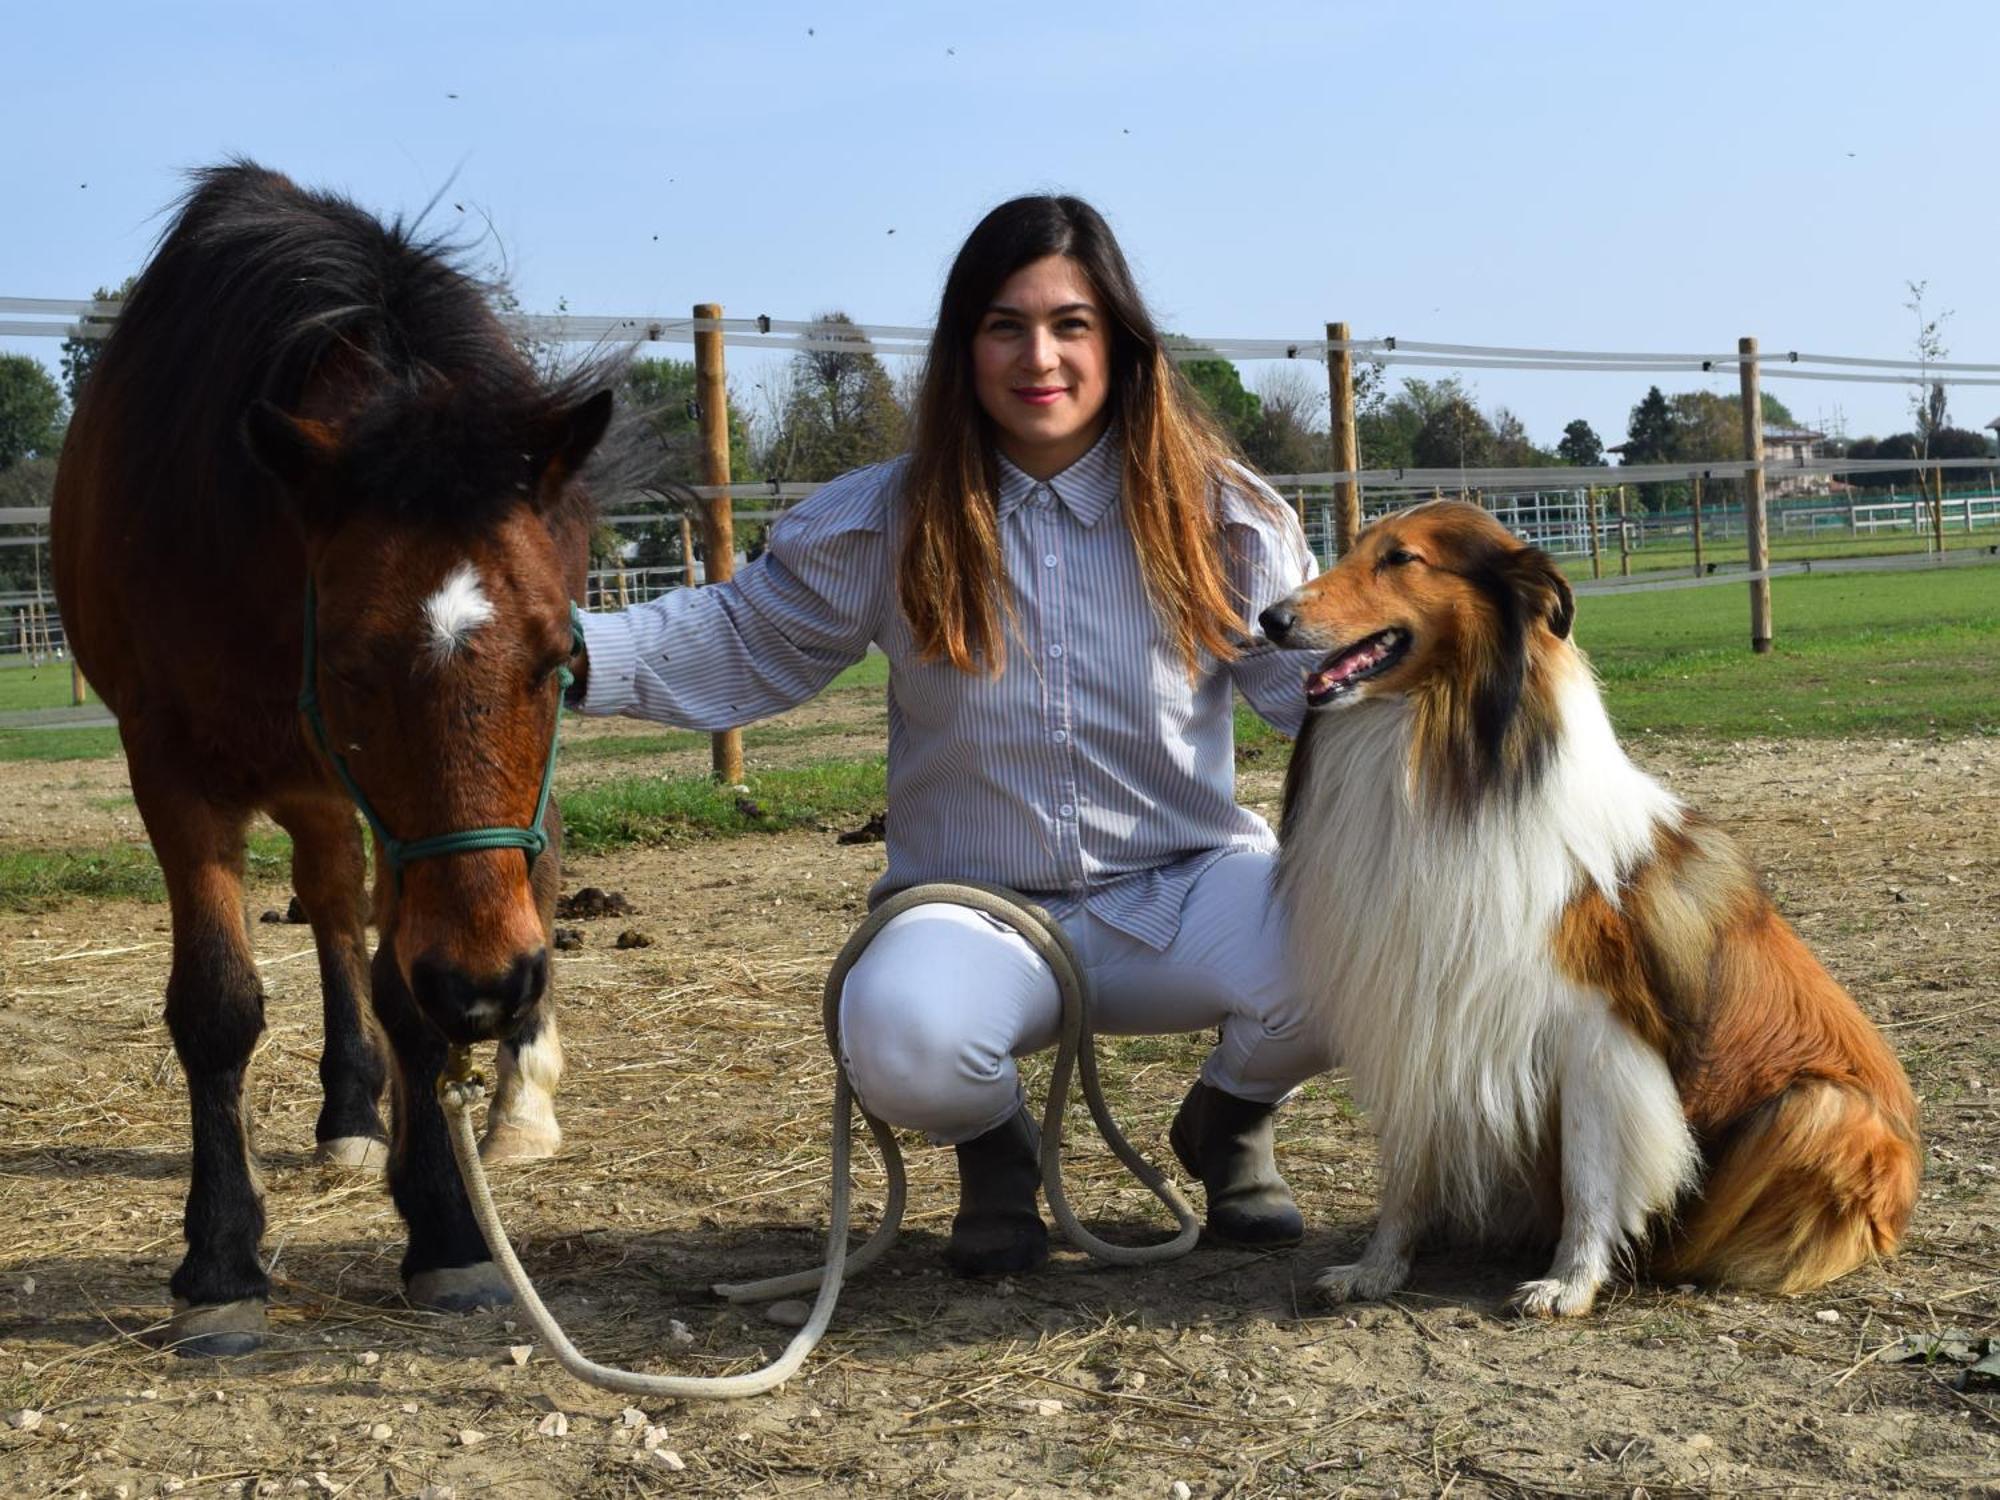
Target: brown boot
(1226, 1142)
(999, 1230)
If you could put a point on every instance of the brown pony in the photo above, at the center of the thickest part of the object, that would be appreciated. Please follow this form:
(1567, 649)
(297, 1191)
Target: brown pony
(309, 425)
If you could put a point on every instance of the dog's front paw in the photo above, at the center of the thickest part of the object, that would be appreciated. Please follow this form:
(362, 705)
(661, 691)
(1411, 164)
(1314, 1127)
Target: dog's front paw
(1364, 1281)
(1554, 1297)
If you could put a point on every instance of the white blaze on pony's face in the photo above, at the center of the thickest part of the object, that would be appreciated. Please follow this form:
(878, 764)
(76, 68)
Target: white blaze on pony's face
(455, 611)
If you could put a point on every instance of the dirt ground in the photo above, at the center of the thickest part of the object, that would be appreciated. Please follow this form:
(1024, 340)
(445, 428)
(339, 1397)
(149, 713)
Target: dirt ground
(695, 1106)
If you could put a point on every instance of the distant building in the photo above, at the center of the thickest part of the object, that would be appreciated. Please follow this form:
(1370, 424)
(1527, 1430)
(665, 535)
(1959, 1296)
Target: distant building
(1785, 446)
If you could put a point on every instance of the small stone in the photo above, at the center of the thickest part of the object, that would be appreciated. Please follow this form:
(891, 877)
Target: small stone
(408, 1408)
(654, 1437)
(554, 1425)
(1725, 1340)
(788, 1314)
(437, 1492)
(1041, 1406)
(1827, 1315)
(1131, 1380)
(325, 1483)
(469, 1436)
(381, 1432)
(679, 1334)
(666, 1458)
(27, 1286)
(520, 1353)
(27, 1419)
(149, 1394)
(369, 1357)
(123, 1491)
(632, 1417)
(1180, 1490)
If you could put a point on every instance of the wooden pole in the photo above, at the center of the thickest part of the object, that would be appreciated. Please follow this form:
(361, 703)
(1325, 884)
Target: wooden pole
(1697, 526)
(1346, 448)
(1624, 538)
(1937, 509)
(1756, 527)
(718, 531)
(687, 550)
(79, 690)
(1590, 512)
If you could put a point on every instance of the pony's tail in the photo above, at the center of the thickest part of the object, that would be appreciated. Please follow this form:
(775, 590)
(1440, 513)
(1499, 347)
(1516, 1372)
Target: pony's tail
(1818, 1181)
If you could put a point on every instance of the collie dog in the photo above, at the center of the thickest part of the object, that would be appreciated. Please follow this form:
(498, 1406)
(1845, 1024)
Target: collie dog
(1563, 998)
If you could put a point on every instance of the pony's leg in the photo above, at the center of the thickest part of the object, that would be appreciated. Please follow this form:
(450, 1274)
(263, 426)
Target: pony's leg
(215, 1013)
(521, 1121)
(329, 874)
(446, 1266)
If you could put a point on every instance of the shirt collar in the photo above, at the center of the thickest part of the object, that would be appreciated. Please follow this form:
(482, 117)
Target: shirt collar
(1087, 487)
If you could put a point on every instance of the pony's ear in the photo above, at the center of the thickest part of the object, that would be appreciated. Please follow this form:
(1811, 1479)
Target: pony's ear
(575, 435)
(292, 450)
(1542, 589)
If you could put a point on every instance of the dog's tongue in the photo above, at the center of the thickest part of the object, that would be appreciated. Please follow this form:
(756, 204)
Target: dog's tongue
(1347, 665)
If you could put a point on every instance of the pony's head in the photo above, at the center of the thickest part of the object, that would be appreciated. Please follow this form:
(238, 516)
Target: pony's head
(443, 542)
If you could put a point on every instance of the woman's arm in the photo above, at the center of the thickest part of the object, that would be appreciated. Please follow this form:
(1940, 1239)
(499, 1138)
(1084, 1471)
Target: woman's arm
(725, 654)
(1268, 559)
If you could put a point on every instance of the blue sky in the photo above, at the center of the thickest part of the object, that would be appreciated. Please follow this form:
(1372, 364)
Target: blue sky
(1601, 176)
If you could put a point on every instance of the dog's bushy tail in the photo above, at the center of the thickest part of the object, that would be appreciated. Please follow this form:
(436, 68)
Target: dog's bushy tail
(1819, 1180)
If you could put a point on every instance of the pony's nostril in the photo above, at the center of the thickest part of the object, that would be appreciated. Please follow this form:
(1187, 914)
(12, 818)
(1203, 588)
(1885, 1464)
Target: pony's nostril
(1277, 622)
(525, 982)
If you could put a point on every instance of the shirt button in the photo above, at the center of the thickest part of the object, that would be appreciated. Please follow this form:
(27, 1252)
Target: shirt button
(1049, 561)
(1061, 736)
(1067, 810)
(1055, 650)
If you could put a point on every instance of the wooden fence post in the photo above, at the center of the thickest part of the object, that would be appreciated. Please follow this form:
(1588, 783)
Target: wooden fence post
(1590, 517)
(1697, 525)
(1937, 509)
(687, 551)
(718, 514)
(1346, 459)
(1624, 538)
(1755, 526)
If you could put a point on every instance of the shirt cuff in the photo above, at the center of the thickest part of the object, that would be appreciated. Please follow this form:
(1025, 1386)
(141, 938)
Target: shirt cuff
(614, 664)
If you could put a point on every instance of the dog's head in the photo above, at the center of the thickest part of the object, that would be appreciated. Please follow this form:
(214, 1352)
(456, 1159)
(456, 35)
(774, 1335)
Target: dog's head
(1441, 605)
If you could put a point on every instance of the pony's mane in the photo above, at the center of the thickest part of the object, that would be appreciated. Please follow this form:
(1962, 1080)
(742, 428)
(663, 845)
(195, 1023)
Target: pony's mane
(262, 290)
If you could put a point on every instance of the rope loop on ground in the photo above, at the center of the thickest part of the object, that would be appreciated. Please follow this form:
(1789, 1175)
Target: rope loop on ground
(459, 1090)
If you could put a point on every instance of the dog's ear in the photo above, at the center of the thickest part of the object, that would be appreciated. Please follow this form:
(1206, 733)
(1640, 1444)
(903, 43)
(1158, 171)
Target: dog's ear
(1543, 591)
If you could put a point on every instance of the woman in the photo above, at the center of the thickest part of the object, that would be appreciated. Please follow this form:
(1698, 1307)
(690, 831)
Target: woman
(1059, 573)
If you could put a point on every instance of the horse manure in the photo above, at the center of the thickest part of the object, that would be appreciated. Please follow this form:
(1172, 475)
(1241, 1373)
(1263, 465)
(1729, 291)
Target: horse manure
(568, 939)
(632, 937)
(591, 902)
(872, 832)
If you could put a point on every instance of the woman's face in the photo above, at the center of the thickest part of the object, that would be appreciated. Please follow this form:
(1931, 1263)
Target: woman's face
(1041, 365)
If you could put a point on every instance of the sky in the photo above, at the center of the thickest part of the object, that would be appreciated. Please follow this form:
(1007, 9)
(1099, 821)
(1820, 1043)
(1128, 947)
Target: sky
(1589, 176)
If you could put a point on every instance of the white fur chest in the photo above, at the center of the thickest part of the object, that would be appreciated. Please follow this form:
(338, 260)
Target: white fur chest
(1423, 939)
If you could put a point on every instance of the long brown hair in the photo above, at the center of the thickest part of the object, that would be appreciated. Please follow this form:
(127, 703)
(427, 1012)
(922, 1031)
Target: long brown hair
(949, 575)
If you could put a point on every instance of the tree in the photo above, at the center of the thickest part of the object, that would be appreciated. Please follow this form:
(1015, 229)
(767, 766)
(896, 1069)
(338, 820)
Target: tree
(1580, 445)
(1290, 436)
(31, 411)
(79, 353)
(27, 485)
(1649, 432)
(1387, 426)
(1455, 435)
(1927, 402)
(836, 407)
(1219, 385)
(666, 449)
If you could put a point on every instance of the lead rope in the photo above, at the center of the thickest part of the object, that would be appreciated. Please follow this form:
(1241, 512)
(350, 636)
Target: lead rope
(459, 1089)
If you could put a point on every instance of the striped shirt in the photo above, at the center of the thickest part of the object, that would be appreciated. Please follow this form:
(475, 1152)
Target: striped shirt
(1091, 770)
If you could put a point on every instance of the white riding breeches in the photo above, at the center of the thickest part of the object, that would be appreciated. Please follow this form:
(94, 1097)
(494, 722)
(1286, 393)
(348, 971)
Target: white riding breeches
(934, 1013)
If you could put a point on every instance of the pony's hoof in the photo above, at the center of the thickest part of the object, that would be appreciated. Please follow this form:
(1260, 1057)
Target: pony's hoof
(514, 1143)
(355, 1152)
(460, 1288)
(216, 1329)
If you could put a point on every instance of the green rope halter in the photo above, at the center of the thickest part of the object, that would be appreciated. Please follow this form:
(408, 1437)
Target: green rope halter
(399, 852)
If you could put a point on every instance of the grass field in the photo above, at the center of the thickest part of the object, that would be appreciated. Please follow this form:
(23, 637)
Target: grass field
(1677, 556)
